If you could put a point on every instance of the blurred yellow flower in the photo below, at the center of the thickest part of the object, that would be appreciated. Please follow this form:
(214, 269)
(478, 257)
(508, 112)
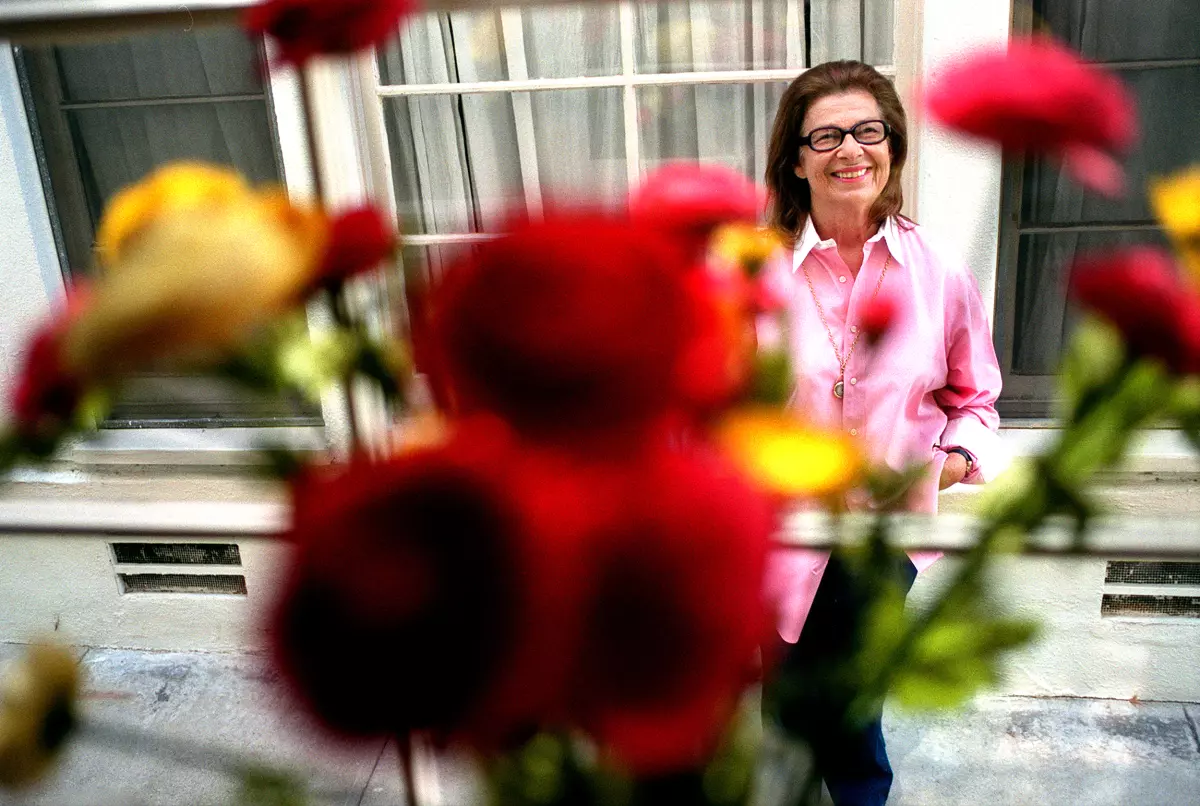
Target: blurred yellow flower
(37, 712)
(193, 259)
(745, 245)
(786, 456)
(1176, 201)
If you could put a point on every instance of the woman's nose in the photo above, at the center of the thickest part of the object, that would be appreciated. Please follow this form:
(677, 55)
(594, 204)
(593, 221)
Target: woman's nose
(849, 147)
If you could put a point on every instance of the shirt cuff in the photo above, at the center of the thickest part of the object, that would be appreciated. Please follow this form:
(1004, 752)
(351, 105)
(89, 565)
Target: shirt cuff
(991, 458)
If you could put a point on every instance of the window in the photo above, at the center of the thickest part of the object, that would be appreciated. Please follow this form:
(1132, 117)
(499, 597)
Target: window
(491, 112)
(1047, 219)
(107, 114)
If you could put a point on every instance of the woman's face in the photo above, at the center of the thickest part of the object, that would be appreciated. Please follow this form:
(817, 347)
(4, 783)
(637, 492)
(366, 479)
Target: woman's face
(853, 173)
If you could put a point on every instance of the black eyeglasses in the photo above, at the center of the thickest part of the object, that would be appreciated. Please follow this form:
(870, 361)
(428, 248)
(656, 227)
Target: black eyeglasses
(827, 138)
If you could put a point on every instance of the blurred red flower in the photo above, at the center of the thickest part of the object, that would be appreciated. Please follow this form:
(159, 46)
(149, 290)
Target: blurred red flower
(359, 240)
(675, 611)
(718, 361)
(424, 585)
(1139, 290)
(690, 200)
(307, 28)
(47, 391)
(570, 325)
(1037, 96)
(878, 316)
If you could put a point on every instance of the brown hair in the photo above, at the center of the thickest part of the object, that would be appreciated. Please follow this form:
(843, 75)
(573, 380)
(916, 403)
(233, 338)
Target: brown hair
(789, 196)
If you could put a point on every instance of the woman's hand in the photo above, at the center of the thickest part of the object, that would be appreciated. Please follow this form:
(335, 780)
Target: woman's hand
(954, 471)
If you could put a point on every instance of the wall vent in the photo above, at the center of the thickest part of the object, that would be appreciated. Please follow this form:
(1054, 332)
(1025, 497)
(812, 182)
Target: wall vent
(228, 584)
(1136, 572)
(1116, 604)
(177, 553)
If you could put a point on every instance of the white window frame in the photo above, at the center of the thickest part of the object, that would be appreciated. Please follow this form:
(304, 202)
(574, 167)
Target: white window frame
(628, 80)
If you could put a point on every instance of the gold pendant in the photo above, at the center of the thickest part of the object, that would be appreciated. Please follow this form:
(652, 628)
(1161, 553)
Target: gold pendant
(839, 389)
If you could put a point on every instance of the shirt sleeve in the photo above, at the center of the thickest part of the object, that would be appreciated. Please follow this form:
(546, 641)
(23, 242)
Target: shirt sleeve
(972, 381)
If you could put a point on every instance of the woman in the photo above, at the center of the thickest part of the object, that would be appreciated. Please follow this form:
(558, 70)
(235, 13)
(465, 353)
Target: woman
(925, 393)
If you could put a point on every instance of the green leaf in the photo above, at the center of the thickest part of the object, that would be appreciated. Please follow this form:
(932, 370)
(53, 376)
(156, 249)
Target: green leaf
(263, 787)
(728, 779)
(1093, 356)
(955, 658)
(772, 381)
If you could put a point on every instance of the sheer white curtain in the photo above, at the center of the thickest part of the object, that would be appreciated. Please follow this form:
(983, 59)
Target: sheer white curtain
(460, 161)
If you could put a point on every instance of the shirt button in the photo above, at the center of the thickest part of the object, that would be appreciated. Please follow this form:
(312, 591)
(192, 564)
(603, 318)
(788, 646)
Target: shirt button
(842, 279)
(853, 381)
(853, 328)
(853, 432)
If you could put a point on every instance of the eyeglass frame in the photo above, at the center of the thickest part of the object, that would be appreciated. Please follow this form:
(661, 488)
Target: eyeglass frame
(806, 140)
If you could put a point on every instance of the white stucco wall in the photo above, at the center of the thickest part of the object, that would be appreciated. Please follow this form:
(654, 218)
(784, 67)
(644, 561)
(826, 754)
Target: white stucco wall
(958, 191)
(25, 237)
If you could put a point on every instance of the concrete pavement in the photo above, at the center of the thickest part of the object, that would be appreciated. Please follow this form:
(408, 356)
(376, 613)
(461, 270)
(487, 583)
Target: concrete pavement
(1000, 750)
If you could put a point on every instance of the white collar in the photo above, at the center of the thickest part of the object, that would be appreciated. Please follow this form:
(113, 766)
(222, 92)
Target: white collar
(810, 240)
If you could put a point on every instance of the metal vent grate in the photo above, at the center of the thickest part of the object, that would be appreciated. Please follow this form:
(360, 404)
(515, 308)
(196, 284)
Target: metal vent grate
(1116, 604)
(177, 553)
(1134, 572)
(233, 584)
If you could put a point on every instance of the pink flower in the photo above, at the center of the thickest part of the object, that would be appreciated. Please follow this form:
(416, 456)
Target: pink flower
(307, 28)
(1140, 292)
(359, 240)
(690, 200)
(1040, 98)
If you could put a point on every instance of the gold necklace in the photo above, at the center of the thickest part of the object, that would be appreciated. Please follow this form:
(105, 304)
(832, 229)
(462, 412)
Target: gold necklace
(839, 388)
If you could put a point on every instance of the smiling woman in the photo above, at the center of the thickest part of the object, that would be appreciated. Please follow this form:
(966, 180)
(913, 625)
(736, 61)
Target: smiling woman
(921, 394)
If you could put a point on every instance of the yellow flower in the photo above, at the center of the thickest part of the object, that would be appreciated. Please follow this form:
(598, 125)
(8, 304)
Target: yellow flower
(187, 187)
(37, 712)
(787, 457)
(1176, 201)
(745, 245)
(193, 260)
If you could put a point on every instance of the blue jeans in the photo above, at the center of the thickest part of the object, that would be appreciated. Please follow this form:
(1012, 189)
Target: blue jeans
(851, 758)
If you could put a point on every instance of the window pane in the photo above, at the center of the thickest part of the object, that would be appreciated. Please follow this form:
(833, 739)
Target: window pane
(162, 65)
(433, 261)
(1042, 320)
(118, 146)
(747, 35)
(457, 164)
(1125, 30)
(1167, 143)
(725, 123)
(564, 41)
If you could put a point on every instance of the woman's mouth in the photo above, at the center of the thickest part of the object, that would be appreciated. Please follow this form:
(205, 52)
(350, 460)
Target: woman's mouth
(850, 175)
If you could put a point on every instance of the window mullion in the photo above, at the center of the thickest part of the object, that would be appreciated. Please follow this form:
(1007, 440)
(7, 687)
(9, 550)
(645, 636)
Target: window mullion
(512, 38)
(758, 92)
(633, 146)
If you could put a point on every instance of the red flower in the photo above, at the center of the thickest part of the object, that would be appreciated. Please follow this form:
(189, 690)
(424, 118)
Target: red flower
(307, 28)
(48, 392)
(1040, 97)
(423, 586)
(359, 240)
(1140, 292)
(690, 200)
(676, 612)
(574, 323)
(877, 318)
(717, 364)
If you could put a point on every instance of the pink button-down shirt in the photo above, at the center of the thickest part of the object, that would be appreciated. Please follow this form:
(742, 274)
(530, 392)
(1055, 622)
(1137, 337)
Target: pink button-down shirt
(931, 382)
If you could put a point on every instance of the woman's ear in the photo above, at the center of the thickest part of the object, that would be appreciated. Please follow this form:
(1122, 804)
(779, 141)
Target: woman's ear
(799, 169)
